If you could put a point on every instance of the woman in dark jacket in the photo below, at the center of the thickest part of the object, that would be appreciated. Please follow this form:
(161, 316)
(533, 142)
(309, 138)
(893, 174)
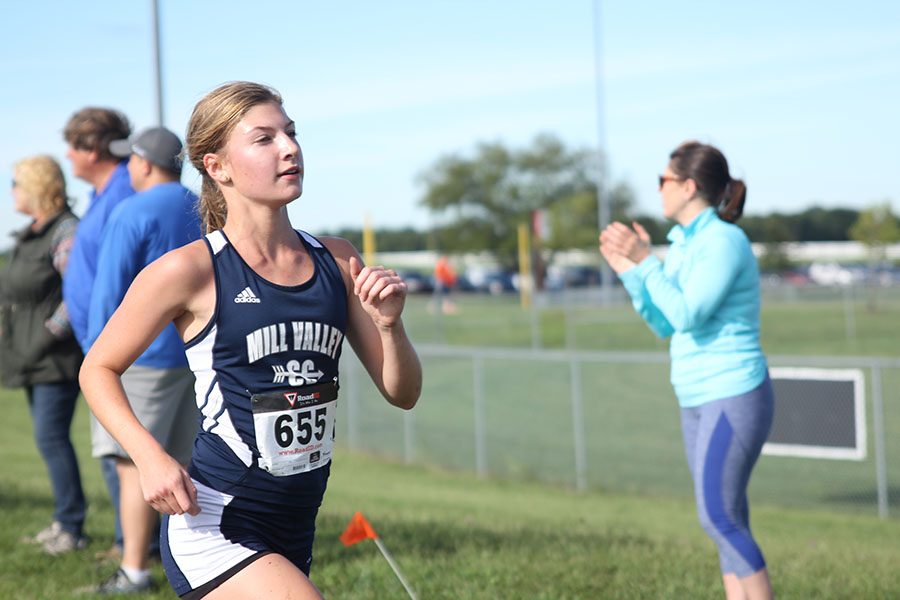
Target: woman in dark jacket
(37, 349)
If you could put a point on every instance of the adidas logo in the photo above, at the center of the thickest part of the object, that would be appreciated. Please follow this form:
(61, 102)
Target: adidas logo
(246, 296)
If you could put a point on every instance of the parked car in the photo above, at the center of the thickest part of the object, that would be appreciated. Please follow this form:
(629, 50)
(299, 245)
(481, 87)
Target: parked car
(491, 280)
(571, 276)
(833, 273)
(417, 283)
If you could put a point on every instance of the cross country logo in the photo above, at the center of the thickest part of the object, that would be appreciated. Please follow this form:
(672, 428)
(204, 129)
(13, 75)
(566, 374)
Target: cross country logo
(296, 374)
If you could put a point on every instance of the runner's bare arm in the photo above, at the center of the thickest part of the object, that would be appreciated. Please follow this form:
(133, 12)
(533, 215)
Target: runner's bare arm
(376, 297)
(170, 288)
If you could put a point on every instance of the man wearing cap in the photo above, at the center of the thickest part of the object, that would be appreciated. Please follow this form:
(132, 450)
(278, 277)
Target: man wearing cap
(160, 217)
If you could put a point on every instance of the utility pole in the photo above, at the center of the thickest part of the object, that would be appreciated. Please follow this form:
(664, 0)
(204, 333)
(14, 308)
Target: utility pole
(157, 63)
(603, 211)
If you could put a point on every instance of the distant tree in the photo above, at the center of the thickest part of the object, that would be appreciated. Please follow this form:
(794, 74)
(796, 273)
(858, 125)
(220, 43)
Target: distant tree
(354, 236)
(876, 227)
(574, 221)
(403, 239)
(481, 199)
(811, 225)
(759, 227)
(775, 234)
(822, 225)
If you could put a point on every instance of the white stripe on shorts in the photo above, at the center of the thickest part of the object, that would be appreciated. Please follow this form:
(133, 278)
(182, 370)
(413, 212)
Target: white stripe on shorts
(196, 542)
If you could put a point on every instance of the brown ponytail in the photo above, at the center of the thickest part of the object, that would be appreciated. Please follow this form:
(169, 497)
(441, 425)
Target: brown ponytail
(731, 203)
(214, 116)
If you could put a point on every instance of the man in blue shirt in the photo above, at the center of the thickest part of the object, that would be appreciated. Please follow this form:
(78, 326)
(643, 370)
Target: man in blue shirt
(88, 134)
(160, 217)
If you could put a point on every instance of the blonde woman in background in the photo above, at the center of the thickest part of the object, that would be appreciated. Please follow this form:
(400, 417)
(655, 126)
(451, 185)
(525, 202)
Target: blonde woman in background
(37, 349)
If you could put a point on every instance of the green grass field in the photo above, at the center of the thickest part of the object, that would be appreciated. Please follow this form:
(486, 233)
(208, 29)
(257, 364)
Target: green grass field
(457, 536)
(793, 321)
(523, 532)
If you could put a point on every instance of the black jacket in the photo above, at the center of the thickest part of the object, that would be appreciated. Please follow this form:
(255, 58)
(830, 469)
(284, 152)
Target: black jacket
(30, 292)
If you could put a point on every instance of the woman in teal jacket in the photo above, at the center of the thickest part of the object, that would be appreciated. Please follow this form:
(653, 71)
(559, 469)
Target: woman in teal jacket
(706, 298)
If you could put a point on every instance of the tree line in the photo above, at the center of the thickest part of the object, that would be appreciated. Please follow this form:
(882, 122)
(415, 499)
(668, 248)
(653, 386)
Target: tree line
(875, 227)
(478, 200)
(809, 225)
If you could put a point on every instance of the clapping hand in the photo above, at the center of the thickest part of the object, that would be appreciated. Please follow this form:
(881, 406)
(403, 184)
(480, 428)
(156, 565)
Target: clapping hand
(623, 247)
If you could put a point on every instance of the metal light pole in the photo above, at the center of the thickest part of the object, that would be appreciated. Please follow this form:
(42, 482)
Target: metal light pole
(603, 210)
(157, 64)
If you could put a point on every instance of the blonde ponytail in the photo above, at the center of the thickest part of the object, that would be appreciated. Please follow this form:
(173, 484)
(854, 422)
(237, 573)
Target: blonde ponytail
(211, 205)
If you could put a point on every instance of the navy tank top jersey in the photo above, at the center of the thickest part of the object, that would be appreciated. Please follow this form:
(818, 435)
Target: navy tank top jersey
(266, 369)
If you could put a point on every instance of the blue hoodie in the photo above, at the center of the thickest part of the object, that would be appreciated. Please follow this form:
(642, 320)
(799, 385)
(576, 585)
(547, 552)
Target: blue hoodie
(706, 297)
(140, 230)
(78, 280)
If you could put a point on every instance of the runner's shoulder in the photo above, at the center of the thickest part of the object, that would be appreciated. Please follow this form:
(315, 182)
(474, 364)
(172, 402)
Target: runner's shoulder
(189, 266)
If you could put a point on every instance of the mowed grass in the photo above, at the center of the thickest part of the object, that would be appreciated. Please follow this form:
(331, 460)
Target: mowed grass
(457, 536)
(523, 532)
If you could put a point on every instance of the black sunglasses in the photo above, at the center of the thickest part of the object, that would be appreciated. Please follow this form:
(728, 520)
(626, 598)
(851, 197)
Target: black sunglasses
(664, 178)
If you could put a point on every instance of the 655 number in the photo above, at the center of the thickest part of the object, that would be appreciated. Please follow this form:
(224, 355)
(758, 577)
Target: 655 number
(308, 424)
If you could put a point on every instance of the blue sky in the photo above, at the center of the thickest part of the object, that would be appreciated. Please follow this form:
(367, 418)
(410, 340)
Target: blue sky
(802, 96)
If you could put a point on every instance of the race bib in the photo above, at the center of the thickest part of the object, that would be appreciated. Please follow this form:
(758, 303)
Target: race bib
(295, 428)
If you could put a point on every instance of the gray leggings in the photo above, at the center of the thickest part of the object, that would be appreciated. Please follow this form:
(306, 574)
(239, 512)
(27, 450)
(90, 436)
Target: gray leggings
(722, 440)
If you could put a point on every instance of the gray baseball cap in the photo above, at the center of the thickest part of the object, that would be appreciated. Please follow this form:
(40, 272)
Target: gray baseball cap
(156, 144)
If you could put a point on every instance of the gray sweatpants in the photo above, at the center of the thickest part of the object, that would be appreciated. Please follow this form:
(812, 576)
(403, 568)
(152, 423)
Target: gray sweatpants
(163, 401)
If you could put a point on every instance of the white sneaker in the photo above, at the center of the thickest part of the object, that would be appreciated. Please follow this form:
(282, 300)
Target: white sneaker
(44, 535)
(64, 542)
(119, 583)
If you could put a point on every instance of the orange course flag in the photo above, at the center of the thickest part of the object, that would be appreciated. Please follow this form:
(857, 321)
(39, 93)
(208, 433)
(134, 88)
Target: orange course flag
(358, 530)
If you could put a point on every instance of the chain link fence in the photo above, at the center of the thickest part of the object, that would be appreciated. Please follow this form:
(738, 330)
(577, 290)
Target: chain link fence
(602, 421)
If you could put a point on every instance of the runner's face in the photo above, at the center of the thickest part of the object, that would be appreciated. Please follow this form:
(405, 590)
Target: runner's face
(262, 156)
